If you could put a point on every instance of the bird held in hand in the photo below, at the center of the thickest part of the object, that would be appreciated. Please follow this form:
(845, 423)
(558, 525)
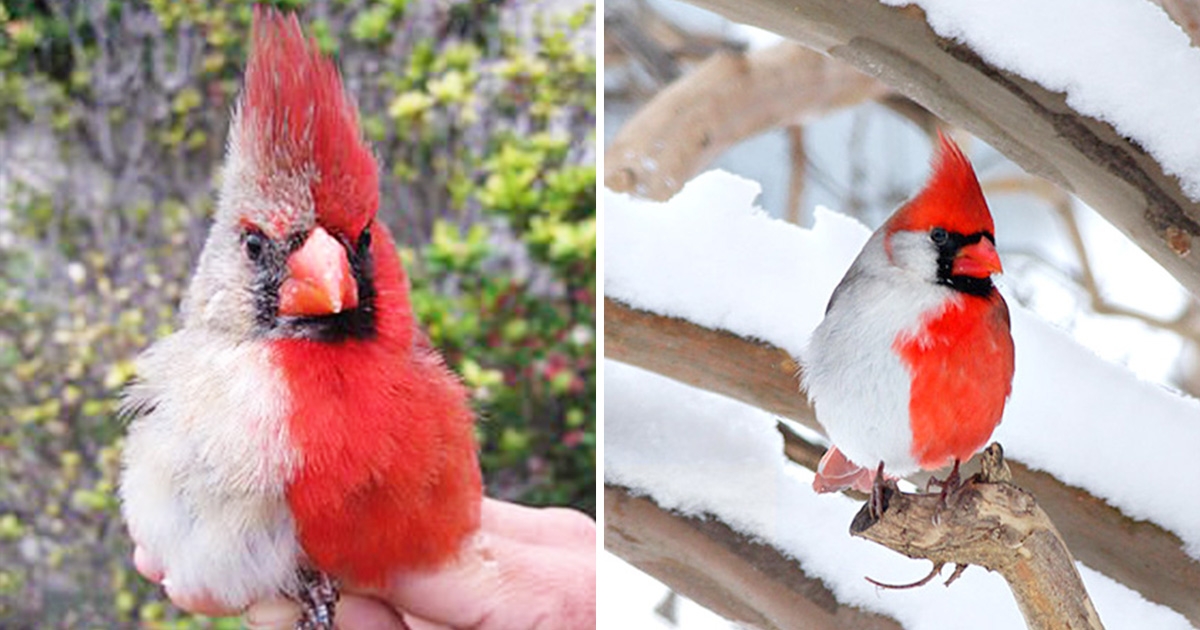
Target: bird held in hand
(913, 363)
(298, 424)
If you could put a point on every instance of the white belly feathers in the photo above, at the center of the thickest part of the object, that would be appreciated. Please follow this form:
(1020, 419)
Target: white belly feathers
(206, 467)
(858, 385)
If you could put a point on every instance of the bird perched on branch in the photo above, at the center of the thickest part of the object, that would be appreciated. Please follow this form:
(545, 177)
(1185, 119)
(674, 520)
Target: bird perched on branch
(298, 427)
(913, 363)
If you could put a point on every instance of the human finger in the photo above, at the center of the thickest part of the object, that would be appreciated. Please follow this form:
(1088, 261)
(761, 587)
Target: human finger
(355, 612)
(146, 565)
(200, 603)
(499, 582)
(272, 614)
(352, 612)
(550, 526)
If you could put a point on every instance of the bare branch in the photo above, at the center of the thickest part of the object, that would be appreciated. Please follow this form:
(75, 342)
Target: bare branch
(646, 50)
(730, 97)
(187, 52)
(913, 112)
(1181, 325)
(797, 159)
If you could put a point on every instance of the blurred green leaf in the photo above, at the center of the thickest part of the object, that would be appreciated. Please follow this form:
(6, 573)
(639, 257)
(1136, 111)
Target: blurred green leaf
(373, 25)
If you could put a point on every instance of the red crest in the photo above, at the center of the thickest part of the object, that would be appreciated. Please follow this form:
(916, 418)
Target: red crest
(296, 115)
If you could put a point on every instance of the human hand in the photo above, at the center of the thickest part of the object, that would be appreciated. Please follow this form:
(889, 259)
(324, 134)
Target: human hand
(527, 568)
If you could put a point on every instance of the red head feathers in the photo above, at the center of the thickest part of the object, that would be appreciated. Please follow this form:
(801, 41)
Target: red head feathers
(951, 199)
(295, 117)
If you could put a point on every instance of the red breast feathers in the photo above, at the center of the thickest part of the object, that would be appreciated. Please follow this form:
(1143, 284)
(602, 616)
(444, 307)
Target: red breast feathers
(388, 478)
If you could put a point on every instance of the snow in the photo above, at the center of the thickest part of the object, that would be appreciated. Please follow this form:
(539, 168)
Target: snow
(1127, 273)
(1147, 88)
(1092, 425)
(710, 256)
(710, 269)
(658, 430)
(639, 595)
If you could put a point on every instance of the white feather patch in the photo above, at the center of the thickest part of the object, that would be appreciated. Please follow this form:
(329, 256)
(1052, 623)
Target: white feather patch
(207, 465)
(858, 385)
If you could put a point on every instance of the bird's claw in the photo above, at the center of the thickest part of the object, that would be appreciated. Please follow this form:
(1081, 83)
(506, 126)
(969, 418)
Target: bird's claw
(880, 486)
(318, 595)
(958, 571)
(951, 486)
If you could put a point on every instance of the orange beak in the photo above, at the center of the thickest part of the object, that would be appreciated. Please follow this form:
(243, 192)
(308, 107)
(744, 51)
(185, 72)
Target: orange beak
(978, 260)
(319, 279)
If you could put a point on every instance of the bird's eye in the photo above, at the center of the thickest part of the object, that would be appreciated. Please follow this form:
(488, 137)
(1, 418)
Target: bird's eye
(939, 235)
(364, 239)
(255, 243)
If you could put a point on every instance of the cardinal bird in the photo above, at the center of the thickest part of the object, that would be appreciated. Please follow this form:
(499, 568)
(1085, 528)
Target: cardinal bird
(913, 363)
(298, 423)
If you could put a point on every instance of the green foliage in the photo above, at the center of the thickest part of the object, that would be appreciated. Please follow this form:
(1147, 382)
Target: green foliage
(375, 23)
(486, 144)
(529, 361)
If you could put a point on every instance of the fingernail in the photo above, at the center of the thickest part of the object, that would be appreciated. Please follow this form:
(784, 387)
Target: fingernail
(274, 613)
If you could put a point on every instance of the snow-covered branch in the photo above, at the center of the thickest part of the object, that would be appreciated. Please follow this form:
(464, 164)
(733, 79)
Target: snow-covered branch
(708, 291)
(1139, 554)
(1139, 186)
(724, 570)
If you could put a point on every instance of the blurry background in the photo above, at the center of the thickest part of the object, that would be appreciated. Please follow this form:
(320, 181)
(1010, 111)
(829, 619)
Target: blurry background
(862, 149)
(113, 118)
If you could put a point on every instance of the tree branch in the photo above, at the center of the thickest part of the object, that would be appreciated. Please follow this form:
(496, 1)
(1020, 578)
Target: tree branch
(1181, 325)
(797, 161)
(994, 524)
(646, 50)
(742, 580)
(1028, 123)
(1139, 554)
(728, 98)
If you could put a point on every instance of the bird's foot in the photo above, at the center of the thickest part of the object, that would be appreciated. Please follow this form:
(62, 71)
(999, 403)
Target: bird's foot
(951, 486)
(318, 595)
(881, 489)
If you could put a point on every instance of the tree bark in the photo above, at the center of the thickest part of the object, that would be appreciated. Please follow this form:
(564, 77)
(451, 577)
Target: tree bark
(798, 163)
(1139, 554)
(742, 580)
(991, 523)
(729, 98)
